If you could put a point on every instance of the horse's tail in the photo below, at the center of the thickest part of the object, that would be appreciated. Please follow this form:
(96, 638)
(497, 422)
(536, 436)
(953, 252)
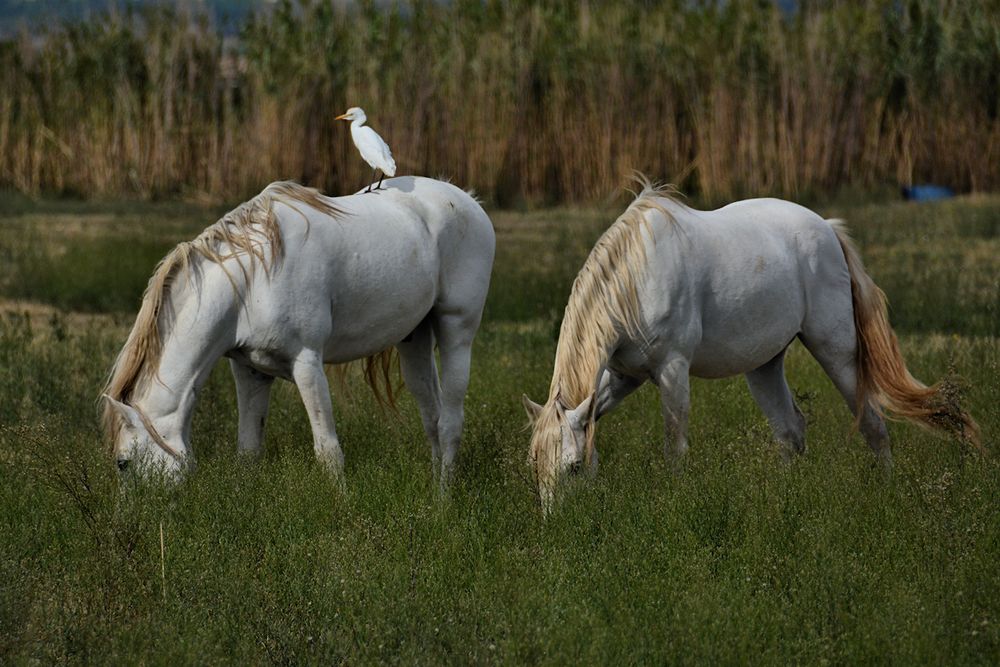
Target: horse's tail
(378, 375)
(377, 371)
(883, 380)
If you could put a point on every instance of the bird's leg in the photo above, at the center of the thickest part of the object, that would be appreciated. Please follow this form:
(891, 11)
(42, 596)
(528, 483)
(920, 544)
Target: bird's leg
(381, 176)
(371, 182)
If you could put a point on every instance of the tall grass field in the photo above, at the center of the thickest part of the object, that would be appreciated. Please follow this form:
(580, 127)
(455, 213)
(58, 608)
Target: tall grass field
(737, 559)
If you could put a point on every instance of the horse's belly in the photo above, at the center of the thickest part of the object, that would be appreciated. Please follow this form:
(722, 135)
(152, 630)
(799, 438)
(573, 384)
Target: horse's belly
(365, 322)
(349, 312)
(740, 336)
(722, 360)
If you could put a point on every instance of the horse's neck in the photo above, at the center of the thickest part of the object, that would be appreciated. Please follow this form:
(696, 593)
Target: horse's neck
(168, 401)
(186, 360)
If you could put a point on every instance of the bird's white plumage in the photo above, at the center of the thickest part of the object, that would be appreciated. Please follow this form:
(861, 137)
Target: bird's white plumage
(371, 146)
(373, 149)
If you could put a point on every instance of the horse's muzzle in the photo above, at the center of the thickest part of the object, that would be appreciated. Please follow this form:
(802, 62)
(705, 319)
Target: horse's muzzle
(122, 465)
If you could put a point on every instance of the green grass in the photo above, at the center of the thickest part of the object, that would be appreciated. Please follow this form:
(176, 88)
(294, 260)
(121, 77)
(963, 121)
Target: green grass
(738, 559)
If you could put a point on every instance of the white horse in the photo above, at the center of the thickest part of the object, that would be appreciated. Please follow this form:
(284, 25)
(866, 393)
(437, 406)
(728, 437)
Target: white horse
(292, 280)
(669, 292)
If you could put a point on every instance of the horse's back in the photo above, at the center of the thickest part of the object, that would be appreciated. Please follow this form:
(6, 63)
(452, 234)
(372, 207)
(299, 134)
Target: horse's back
(739, 281)
(361, 280)
(411, 228)
(451, 218)
(463, 238)
(752, 243)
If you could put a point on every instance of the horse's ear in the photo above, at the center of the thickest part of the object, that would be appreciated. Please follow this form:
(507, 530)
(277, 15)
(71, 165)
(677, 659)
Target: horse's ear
(533, 409)
(127, 412)
(578, 416)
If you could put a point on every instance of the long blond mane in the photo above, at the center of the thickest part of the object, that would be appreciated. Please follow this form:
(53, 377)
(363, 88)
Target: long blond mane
(604, 299)
(250, 230)
(603, 303)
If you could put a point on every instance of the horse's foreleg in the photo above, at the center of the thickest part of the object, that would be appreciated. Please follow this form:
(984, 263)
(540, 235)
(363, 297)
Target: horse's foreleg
(675, 403)
(612, 389)
(454, 333)
(307, 371)
(253, 394)
(416, 358)
(770, 389)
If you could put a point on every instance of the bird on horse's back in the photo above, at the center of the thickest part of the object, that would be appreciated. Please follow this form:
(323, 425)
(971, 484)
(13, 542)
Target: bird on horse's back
(372, 147)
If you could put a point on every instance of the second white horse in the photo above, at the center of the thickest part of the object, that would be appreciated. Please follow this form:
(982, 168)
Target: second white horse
(669, 292)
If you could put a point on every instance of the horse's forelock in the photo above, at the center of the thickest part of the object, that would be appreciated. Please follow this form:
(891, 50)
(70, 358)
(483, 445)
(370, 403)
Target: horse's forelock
(546, 443)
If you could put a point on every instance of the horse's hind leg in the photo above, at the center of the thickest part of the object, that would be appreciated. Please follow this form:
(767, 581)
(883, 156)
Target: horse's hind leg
(770, 390)
(835, 348)
(307, 371)
(454, 334)
(253, 394)
(416, 358)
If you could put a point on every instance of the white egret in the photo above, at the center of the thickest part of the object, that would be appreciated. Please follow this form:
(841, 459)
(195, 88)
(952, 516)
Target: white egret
(371, 146)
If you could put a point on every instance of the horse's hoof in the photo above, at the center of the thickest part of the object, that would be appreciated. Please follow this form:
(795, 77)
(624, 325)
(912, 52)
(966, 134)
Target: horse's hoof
(676, 463)
(444, 478)
(787, 454)
(883, 461)
(333, 464)
(249, 455)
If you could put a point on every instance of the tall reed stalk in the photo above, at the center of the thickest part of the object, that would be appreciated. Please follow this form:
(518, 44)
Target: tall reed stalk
(541, 102)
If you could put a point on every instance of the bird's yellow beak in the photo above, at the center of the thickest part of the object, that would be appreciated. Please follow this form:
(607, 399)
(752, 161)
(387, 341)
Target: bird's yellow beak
(342, 116)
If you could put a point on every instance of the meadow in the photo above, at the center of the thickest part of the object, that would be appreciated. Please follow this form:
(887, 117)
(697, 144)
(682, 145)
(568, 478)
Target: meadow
(738, 558)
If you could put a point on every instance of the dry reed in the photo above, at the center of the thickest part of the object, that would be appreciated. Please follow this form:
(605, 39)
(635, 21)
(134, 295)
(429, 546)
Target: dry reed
(538, 102)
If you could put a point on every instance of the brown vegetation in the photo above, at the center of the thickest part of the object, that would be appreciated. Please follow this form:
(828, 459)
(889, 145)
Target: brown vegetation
(540, 102)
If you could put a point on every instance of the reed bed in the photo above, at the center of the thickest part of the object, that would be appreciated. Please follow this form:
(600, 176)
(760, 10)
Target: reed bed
(526, 102)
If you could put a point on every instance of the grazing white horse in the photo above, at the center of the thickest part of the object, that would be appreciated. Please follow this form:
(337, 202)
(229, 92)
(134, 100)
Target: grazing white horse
(669, 292)
(292, 280)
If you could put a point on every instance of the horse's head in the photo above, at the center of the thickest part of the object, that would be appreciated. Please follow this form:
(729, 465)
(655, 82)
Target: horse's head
(139, 448)
(561, 443)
